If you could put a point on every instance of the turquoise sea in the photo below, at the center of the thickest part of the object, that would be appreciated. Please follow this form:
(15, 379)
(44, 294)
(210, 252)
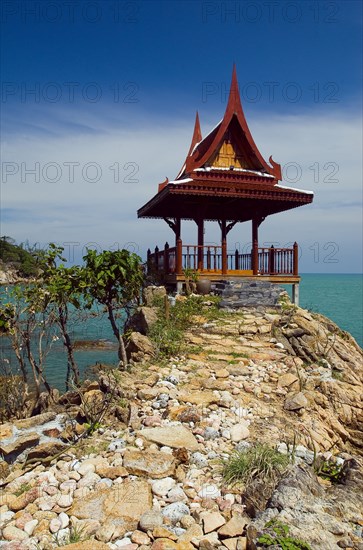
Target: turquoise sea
(339, 297)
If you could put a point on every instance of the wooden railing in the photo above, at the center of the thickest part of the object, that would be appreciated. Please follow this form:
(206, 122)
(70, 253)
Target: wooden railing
(209, 258)
(276, 261)
(202, 258)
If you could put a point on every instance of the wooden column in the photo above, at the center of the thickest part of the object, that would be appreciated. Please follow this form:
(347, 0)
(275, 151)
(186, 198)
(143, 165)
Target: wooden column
(296, 259)
(271, 260)
(166, 258)
(200, 224)
(254, 258)
(179, 257)
(148, 261)
(224, 247)
(178, 247)
(156, 253)
(177, 229)
(236, 260)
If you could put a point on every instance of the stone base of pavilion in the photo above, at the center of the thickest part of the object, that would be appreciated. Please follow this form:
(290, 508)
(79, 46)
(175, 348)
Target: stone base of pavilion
(177, 282)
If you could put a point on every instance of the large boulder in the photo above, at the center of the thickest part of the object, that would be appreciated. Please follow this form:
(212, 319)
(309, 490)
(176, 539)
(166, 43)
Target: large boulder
(33, 421)
(139, 347)
(123, 504)
(142, 320)
(177, 437)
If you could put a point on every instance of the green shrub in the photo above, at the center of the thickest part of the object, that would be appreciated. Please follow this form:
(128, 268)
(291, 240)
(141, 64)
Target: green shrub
(168, 334)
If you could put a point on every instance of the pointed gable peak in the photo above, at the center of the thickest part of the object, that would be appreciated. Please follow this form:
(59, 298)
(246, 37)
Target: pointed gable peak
(234, 101)
(196, 138)
(197, 134)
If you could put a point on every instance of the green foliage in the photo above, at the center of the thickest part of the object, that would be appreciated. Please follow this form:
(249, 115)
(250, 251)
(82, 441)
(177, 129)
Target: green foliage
(63, 285)
(167, 338)
(330, 470)
(168, 334)
(19, 258)
(113, 277)
(92, 428)
(6, 315)
(259, 461)
(39, 313)
(277, 535)
(191, 278)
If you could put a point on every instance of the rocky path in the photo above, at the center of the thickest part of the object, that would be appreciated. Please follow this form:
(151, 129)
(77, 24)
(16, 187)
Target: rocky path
(259, 375)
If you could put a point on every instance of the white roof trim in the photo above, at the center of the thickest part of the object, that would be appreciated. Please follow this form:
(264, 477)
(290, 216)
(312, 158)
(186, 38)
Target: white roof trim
(294, 189)
(258, 173)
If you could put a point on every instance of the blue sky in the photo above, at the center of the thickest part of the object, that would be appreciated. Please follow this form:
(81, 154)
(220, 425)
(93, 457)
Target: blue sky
(99, 99)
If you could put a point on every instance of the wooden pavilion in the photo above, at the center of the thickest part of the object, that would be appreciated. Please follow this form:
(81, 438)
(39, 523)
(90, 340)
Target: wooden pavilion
(224, 179)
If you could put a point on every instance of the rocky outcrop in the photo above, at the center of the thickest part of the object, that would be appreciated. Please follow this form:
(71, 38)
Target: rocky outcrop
(320, 515)
(153, 480)
(10, 276)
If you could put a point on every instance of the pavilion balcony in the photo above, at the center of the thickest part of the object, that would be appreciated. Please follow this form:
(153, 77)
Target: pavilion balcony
(216, 263)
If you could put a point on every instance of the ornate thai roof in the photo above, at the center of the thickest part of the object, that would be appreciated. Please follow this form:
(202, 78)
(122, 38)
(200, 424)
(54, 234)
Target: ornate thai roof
(224, 175)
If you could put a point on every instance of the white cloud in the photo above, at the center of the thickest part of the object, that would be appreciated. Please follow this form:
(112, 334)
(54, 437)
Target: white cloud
(321, 149)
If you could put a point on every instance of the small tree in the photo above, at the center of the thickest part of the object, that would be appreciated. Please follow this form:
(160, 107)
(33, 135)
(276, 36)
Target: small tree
(30, 328)
(114, 279)
(38, 311)
(63, 288)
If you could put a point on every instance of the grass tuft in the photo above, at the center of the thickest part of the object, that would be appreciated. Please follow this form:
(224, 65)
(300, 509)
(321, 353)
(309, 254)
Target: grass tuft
(257, 462)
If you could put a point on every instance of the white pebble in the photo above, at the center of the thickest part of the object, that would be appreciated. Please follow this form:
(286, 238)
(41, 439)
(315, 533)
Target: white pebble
(64, 501)
(123, 542)
(167, 450)
(30, 526)
(54, 525)
(209, 491)
(75, 464)
(161, 487)
(86, 468)
(64, 519)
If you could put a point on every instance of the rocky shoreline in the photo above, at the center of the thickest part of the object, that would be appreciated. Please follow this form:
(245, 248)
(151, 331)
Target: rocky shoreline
(10, 276)
(150, 475)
